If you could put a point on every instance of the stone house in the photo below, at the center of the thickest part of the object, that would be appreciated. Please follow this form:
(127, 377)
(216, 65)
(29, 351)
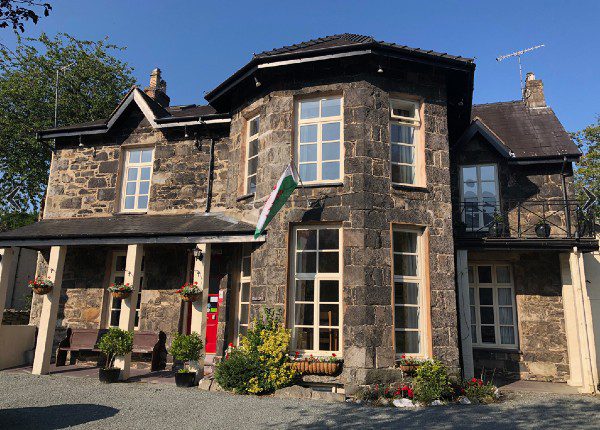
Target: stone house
(413, 233)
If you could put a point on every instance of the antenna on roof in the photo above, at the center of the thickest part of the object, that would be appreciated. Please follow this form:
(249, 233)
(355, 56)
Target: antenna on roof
(518, 55)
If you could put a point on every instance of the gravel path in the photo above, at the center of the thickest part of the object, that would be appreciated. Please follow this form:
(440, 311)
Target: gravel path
(53, 402)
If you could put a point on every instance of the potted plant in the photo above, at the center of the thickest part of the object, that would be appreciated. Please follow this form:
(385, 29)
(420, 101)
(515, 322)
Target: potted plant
(497, 226)
(187, 348)
(190, 292)
(120, 291)
(542, 228)
(316, 365)
(408, 365)
(115, 342)
(41, 286)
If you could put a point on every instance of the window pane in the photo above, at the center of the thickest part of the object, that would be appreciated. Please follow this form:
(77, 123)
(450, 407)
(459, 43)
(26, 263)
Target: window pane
(246, 265)
(405, 241)
(331, 170)
(485, 274)
(304, 314)
(406, 293)
(129, 202)
(331, 107)
(329, 315)
(504, 297)
(145, 173)
(305, 290)
(114, 317)
(503, 274)
(406, 317)
(309, 109)
(245, 292)
(407, 342)
(308, 172)
(505, 315)
(306, 239)
(253, 148)
(402, 174)
(329, 262)
(487, 173)
(488, 192)
(306, 262)
(486, 314)
(472, 296)
(252, 166)
(134, 156)
(120, 279)
(405, 265)
(486, 296)
(330, 291)
(132, 173)
(474, 333)
(244, 313)
(469, 174)
(308, 153)
(507, 335)
(403, 154)
(488, 334)
(473, 314)
(142, 202)
(401, 134)
(130, 189)
(120, 263)
(144, 187)
(329, 339)
(330, 131)
(254, 126)
(308, 133)
(251, 185)
(471, 277)
(146, 156)
(329, 239)
(243, 330)
(304, 338)
(331, 151)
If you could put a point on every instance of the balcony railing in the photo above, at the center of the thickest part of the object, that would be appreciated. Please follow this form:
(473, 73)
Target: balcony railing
(514, 219)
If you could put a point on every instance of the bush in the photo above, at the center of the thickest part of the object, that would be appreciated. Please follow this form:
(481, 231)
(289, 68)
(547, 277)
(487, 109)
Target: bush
(186, 347)
(114, 343)
(261, 364)
(432, 382)
(478, 391)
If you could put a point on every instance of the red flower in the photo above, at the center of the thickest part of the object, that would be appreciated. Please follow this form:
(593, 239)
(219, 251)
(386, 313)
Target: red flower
(333, 355)
(230, 344)
(296, 354)
(410, 393)
(403, 356)
(473, 379)
(405, 388)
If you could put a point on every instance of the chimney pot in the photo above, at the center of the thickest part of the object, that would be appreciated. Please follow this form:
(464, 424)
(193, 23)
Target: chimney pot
(157, 89)
(533, 95)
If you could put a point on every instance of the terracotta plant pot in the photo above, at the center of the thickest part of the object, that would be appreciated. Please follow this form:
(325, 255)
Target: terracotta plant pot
(332, 368)
(121, 294)
(316, 367)
(190, 297)
(42, 290)
(108, 376)
(408, 369)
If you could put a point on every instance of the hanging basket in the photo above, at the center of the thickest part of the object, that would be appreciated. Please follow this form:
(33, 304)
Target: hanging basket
(42, 290)
(409, 369)
(190, 297)
(317, 367)
(121, 294)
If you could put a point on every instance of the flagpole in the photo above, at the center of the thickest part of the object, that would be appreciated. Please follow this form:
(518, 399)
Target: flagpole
(293, 165)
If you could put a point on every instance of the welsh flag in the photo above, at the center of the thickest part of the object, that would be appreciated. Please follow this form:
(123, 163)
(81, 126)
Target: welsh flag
(285, 187)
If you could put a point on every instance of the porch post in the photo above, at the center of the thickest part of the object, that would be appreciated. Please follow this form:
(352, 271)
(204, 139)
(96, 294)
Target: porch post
(464, 313)
(133, 270)
(45, 338)
(201, 276)
(6, 264)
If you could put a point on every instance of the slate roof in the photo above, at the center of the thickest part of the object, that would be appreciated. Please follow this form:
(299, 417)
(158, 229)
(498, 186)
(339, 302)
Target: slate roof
(123, 226)
(527, 132)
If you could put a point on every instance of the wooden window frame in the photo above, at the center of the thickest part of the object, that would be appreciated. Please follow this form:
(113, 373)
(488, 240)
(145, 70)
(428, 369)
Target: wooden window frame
(126, 165)
(110, 299)
(481, 226)
(250, 138)
(243, 279)
(416, 123)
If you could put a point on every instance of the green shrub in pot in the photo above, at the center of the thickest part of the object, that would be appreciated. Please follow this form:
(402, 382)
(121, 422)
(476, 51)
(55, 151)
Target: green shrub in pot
(114, 343)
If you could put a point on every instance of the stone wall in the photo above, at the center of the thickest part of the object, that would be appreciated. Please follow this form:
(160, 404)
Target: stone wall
(15, 317)
(542, 353)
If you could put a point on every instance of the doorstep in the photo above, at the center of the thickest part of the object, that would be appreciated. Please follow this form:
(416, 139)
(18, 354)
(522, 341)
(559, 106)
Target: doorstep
(323, 383)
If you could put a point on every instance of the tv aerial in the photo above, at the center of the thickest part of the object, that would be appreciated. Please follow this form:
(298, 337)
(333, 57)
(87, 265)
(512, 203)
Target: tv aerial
(518, 55)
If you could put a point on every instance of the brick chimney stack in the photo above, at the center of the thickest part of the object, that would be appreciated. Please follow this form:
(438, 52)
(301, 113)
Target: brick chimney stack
(157, 89)
(534, 92)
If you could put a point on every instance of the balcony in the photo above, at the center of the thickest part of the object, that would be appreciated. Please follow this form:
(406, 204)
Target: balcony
(531, 224)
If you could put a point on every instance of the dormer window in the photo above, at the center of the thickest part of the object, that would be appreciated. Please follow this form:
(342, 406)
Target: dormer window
(137, 176)
(406, 151)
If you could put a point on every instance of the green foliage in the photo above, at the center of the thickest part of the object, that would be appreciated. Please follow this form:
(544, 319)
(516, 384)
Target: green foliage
(186, 347)
(114, 343)
(588, 169)
(15, 13)
(431, 382)
(478, 391)
(88, 90)
(11, 220)
(261, 364)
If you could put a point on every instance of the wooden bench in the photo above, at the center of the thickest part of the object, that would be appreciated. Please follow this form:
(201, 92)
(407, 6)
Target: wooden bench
(144, 342)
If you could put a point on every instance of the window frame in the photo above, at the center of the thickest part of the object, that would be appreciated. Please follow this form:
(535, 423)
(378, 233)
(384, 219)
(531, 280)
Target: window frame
(481, 226)
(243, 279)
(250, 138)
(416, 123)
(111, 300)
(494, 285)
(316, 277)
(124, 174)
(319, 122)
(421, 279)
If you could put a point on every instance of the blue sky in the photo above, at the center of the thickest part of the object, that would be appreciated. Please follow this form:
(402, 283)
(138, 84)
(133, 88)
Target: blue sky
(198, 44)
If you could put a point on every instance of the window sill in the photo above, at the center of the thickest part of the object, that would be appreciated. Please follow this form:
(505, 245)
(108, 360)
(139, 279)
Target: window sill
(322, 184)
(131, 213)
(416, 188)
(245, 197)
(508, 349)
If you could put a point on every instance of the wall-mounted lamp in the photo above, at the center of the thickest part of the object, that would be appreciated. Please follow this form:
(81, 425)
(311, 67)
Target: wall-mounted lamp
(186, 132)
(198, 255)
(80, 142)
(379, 70)
(256, 82)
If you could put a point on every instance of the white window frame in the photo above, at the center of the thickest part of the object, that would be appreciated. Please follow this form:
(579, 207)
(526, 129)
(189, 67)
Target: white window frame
(114, 273)
(478, 167)
(415, 123)
(317, 278)
(245, 278)
(494, 286)
(319, 122)
(126, 166)
(419, 279)
(250, 138)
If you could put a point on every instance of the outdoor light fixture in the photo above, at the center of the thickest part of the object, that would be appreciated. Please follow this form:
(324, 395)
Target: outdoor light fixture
(198, 255)
(380, 70)
(186, 132)
(256, 82)
(80, 142)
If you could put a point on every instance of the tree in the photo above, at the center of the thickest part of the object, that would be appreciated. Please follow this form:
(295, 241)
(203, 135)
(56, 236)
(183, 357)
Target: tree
(588, 169)
(15, 13)
(89, 90)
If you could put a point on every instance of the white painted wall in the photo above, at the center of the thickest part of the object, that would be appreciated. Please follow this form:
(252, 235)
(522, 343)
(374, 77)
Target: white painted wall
(592, 274)
(15, 342)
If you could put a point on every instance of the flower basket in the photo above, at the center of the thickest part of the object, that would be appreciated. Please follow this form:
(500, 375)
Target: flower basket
(190, 292)
(42, 290)
(409, 369)
(41, 286)
(190, 297)
(120, 291)
(121, 294)
(307, 367)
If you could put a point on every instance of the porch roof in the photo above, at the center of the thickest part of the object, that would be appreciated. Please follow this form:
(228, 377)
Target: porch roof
(126, 229)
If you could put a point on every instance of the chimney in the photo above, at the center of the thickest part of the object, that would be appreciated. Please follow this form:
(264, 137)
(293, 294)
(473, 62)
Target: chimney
(157, 89)
(534, 92)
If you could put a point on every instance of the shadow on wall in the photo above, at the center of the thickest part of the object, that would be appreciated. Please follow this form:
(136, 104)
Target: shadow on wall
(54, 417)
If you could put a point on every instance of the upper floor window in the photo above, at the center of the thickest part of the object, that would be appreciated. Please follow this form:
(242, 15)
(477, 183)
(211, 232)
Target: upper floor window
(479, 195)
(320, 139)
(405, 123)
(252, 144)
(136, 179)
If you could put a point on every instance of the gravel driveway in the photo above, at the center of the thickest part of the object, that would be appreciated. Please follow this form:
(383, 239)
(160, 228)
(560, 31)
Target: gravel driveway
(53, 402)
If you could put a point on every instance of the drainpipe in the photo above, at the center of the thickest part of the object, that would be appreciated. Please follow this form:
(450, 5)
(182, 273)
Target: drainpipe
(211, 169)
(564, 192)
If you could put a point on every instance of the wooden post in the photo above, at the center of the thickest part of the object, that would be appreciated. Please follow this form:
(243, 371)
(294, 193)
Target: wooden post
(45, 339)
(133, 271)
(201, 276)
(464, 313)
(6, 264)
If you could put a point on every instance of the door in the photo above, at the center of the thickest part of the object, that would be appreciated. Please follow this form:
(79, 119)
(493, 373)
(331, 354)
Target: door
(117, 276)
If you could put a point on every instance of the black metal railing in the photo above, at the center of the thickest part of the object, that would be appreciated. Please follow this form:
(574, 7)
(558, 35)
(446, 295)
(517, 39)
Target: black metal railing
(518, 219)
